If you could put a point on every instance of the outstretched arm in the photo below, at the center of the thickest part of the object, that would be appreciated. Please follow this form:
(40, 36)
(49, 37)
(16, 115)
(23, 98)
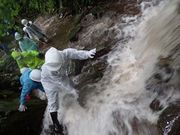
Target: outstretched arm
(79, 54)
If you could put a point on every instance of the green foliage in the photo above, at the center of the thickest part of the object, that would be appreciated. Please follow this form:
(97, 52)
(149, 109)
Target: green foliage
(8, 11)
(76, 5)
(12, 11)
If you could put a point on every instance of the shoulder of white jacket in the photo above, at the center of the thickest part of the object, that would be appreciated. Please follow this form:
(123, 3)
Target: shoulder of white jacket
(52, 49)
(68, 50)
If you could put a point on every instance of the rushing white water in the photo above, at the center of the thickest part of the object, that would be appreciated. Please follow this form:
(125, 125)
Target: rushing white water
(122, 107)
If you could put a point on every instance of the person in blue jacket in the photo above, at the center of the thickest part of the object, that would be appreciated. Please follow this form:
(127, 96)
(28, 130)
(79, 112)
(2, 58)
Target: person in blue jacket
(30, 80)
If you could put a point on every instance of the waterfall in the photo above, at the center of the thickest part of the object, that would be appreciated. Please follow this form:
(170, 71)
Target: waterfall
(122, 107)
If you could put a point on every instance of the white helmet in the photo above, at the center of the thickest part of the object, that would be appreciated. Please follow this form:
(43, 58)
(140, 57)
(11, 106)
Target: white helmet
(35, 75)
(17, 36)
(24, 22)
(53, 59)
(24, 29)
(22, 70)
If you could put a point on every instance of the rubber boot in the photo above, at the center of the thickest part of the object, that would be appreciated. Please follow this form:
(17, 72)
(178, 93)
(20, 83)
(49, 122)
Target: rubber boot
(57, 127)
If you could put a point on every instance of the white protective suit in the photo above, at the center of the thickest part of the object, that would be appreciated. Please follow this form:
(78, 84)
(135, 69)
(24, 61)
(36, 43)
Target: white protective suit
(55, 82)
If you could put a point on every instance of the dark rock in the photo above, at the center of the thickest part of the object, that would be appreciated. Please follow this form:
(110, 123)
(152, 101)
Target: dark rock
(73, 34)
(169, 120)
(156, 105)
(87, 20)
(97, 12)
(9, 81)
(125, 7)
(164, 62)
(91, 72)
(164, 82)
(13, 122)
(158, 76)
(167, 74)
(8, 94)
(9, 74)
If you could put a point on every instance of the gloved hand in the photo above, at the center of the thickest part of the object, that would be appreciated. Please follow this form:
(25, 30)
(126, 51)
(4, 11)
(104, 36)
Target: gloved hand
(91, 53)
(22, 108)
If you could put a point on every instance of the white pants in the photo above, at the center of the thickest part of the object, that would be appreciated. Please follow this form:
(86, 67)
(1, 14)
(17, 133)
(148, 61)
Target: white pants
(39, 94)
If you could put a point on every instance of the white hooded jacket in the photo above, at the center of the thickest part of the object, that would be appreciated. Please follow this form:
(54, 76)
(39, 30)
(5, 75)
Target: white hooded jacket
(55, 82)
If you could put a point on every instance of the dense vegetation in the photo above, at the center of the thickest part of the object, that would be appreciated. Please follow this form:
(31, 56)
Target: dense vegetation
(11, 11)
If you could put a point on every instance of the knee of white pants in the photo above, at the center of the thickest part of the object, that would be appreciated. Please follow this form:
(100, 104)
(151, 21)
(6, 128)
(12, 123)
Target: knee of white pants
(39, 94)
(53, 102)
(53, 108)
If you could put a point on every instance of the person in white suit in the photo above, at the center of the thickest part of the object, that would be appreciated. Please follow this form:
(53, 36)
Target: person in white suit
(54, 77)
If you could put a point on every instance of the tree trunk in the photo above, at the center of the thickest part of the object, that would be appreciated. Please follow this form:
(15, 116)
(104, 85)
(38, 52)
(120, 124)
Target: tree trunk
(60, 4)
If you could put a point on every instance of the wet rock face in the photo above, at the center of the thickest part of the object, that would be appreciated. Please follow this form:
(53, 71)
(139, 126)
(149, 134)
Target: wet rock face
(98, 31)
(13, 122)
(9, 81)
(9, 72)
(164, 84)
(92, 72)
(128, 7)
(160, 83)
(137, 125)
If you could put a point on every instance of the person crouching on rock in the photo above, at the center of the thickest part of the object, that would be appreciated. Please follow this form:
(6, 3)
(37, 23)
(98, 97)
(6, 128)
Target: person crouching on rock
(30, 80)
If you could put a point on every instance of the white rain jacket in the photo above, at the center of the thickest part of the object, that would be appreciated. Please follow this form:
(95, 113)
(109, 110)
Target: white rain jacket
(57, 82)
